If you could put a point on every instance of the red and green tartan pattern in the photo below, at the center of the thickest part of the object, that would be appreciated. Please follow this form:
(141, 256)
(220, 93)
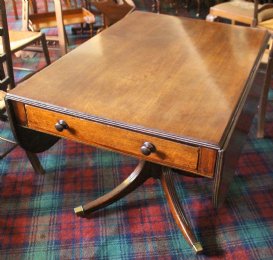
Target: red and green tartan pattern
(37, 220)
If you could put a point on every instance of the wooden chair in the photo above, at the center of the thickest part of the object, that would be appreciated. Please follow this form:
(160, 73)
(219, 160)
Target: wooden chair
(263, 18)
(58, 18)
(113, 11)
(9, 44)
(21, 40)
(237, 11)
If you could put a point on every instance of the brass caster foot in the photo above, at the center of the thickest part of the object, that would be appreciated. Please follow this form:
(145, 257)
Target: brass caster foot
(197, 247)
(79, 211)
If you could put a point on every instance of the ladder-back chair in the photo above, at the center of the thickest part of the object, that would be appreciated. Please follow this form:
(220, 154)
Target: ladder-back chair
(58, 18)
(7, 82)
(21, 40)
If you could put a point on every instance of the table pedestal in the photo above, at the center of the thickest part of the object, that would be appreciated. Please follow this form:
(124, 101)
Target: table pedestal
(142, 172)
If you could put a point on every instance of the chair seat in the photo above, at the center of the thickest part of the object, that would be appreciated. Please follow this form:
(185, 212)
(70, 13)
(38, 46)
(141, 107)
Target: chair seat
(70, 16)
(240, 11)
(19, 39)
(268, 24)
(2, 101)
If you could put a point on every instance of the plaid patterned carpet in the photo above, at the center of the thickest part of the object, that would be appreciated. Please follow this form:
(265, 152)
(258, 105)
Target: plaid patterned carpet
(37, 219)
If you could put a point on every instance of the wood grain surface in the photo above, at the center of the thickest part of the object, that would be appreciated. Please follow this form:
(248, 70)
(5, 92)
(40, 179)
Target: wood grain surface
(156, 73)
(167, 153)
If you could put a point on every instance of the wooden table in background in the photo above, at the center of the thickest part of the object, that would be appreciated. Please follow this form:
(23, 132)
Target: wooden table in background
(177, 93)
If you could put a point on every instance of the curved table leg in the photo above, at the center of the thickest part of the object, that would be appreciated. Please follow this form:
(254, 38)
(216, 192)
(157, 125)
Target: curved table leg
(136, 178)
(177, 211)
(144, 171)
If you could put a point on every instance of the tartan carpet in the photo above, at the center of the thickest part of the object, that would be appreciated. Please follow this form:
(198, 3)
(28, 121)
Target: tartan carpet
(37, 219)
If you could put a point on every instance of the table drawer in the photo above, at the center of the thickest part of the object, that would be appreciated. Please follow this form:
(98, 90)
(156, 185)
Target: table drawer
(167, 152)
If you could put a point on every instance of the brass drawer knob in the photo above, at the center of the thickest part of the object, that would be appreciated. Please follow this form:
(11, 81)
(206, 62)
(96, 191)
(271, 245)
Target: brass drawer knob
(61, 125)
(147, 148)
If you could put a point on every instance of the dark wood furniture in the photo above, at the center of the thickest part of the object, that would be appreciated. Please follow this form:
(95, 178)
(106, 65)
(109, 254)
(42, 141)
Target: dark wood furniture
(152, 86)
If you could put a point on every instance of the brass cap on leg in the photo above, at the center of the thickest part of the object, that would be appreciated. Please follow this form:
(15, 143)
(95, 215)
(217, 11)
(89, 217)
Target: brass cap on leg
(197, 247)
(79, 211)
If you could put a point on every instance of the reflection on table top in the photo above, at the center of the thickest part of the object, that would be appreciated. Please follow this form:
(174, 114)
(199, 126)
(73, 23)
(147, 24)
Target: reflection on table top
(170, 75)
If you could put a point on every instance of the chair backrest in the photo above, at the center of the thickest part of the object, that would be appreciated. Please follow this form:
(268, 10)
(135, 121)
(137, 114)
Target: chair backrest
(262, 12)
(70, 15)
(112, 10)
(26, 16)
(7, 79)
(68, 3)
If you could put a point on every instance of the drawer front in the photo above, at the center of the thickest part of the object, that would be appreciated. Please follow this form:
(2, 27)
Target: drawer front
(167, 152)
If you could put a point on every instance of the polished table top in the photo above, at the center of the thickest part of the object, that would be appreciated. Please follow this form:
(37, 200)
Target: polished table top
(175, 78)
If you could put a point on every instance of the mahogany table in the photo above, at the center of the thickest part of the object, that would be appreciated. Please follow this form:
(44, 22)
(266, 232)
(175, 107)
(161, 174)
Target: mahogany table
(178, 94)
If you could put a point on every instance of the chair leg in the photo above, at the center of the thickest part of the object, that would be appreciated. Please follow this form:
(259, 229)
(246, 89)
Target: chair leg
(33, 5)
(46, 6)
(45, 49)
(264, 97)
(198, 8)
(60, 27)
(35, 162)
(15, 9)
